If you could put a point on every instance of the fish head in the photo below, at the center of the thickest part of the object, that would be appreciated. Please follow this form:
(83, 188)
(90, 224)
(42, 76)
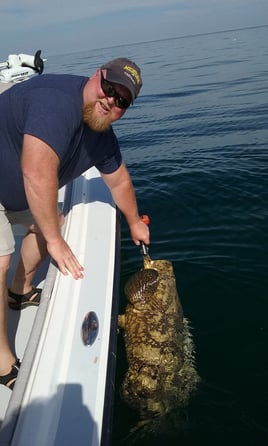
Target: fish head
(141, 287)
(152, 287)
(161, 266)
(164, 296)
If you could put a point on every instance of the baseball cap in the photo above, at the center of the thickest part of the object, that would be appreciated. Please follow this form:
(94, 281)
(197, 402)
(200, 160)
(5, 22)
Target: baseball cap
(125, 72)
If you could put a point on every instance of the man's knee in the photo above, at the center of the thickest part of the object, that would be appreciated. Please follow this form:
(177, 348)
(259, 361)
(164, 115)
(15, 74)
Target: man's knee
(4, 264)
(7, 241)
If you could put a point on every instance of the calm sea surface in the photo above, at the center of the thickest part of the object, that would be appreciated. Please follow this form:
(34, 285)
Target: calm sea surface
(196, 145)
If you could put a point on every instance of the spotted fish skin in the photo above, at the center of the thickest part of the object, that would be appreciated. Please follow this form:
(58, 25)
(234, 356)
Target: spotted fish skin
(161, 372)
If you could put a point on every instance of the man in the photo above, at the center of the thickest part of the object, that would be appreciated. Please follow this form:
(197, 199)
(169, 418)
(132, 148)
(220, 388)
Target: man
(53, 128)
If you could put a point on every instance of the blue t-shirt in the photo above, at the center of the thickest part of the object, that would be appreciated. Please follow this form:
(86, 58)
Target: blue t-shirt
(49, 107)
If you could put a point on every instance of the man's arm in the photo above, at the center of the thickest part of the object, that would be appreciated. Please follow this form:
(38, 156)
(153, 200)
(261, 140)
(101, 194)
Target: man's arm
(121, 187)
(40, 165)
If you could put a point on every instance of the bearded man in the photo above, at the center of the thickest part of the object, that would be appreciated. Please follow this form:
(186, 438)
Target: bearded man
(52, 129)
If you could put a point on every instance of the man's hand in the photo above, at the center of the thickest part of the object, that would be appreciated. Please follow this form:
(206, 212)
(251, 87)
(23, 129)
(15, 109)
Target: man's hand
(66, 260)
(140, 233)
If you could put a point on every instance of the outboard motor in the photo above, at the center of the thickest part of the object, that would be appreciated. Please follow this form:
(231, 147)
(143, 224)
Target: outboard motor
(34, 62)
(19, 67)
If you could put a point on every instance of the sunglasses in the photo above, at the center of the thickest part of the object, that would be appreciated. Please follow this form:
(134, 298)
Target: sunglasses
(109, 91)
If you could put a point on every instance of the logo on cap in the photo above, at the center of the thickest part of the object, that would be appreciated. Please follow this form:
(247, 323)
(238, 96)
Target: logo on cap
(133, 73)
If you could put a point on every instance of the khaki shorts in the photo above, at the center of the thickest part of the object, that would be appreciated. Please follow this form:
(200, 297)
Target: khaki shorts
(7, 219)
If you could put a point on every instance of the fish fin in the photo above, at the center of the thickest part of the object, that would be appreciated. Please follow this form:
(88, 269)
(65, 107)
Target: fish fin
(142, 284)
(121, 321)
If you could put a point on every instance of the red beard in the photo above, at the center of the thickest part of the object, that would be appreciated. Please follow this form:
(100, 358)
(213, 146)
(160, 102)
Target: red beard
(95, 122)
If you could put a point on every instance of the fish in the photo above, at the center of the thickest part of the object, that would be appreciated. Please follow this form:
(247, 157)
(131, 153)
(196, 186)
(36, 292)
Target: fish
(161, 373)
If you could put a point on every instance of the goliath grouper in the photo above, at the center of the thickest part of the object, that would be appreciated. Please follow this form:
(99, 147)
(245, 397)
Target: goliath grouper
(161, 375)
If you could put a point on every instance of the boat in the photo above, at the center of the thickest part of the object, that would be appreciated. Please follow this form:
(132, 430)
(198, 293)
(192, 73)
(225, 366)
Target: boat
(64, 390)
(19, 67)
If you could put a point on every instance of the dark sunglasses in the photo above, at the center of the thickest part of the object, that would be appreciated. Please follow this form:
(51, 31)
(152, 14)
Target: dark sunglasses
(109, 91)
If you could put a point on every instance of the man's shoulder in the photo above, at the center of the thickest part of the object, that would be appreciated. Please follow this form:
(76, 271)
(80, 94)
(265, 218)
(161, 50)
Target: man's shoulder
(57, 81)
(68, 84)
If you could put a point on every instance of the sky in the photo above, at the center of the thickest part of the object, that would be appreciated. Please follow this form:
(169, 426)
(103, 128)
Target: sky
(65, 26)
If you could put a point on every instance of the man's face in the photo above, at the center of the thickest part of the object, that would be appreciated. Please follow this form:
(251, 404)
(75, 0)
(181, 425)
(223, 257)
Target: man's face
(101, 111)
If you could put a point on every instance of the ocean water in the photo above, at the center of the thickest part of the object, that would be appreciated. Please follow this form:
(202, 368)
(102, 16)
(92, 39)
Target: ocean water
(196, 145)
